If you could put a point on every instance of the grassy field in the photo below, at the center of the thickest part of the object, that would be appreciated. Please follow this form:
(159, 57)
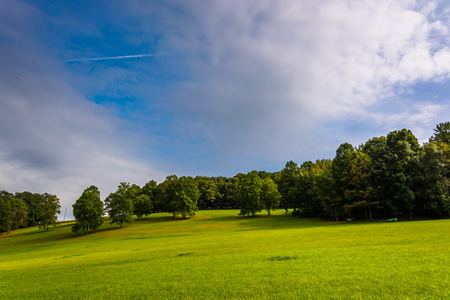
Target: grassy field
(218, 254)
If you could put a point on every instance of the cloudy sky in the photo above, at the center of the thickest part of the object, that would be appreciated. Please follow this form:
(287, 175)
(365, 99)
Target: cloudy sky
(99, 92)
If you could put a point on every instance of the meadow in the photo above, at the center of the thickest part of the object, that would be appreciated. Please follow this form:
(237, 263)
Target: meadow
(220, 255)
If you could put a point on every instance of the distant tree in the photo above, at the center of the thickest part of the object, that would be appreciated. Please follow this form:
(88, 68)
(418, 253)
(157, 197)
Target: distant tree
(360, 194)
(441, 133)
(208, 192)
(432, 193)
(307, 204)
(119, 205)
(250, 194)
(227, 192)
(323, 189)
(17, 214)
(286, 185)
(166, 192)
(5, 212)
(402, 161)
(270, 196)
(186, 194)
(142, 205)
(50, 209)
(34, 206)
(88, 211)
(150, 189)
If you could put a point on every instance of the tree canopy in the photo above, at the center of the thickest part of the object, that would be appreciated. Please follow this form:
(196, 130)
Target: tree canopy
(88, 211)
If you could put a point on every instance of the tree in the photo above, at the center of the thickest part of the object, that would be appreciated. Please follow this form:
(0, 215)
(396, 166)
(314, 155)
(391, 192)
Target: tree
(340, 170)
(119, 205)
(186, 194)
(142, 205)
(34, 206)
(5, 212)
(287, 182)
(18, 213)
(150, 189)
(165, 192)
(441, 133)
(433, 190)
(323, 189)
(249, 194)
(270, 197)
(402, 162)
(50, 209)
(88, 211)
(208, 192)
(360, 193)
(307, 204)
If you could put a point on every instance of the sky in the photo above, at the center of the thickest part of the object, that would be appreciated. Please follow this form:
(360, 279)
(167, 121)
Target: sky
(103, 92)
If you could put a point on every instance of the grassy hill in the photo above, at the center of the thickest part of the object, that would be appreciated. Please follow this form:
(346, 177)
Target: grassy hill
(218, 254)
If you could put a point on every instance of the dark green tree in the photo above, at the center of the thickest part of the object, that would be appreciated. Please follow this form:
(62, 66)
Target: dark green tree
(165, 193)
(186, 194)
(403, 169)
(323, 189)
(5, 212)
(340, 170)
(250, 194)
(34, 206)
(142, 205)
(119, 205)
(286, 185)
(50, 209)
(360, 195)
(270, 196)
(150, 189)
(208, 192)
(17, 214)
(88, 211)
(441, 133)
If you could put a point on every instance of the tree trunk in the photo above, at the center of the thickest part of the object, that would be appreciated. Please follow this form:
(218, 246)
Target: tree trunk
(268, 212)
(370, 213)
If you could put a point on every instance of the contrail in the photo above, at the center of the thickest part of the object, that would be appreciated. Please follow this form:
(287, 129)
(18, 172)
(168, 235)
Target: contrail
(111, 57)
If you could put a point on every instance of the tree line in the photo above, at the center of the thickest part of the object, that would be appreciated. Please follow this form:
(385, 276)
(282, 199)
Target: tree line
(386, 177)
(27, 209)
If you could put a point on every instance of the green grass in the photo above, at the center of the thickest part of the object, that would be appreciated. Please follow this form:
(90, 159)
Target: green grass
(218, 254)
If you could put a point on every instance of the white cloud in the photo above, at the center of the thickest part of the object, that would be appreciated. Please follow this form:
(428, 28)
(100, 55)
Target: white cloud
(265, 73)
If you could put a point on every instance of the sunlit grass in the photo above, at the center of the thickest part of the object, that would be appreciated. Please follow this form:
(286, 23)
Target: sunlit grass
(218, 254)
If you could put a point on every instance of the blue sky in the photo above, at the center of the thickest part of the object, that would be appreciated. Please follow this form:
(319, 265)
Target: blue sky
(99, 92)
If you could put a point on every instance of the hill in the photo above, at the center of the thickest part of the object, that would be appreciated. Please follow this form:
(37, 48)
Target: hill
(218, 254)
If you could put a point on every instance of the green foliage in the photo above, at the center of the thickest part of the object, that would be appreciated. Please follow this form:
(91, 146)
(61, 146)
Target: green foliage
(34, 206)
(50, 208)
(17, 216)
(441, 133)
(287, 184)
(209, 192)
(270, 197)
(142, 205)
(250, 194)
(186, 194)
(119, 205)
(5, 213)
(88, 211)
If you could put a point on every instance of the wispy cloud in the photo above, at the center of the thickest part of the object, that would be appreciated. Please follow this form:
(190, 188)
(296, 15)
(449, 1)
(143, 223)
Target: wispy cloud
(111, 57)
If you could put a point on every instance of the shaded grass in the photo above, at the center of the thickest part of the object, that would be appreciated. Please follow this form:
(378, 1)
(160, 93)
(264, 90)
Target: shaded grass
(218, 254)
